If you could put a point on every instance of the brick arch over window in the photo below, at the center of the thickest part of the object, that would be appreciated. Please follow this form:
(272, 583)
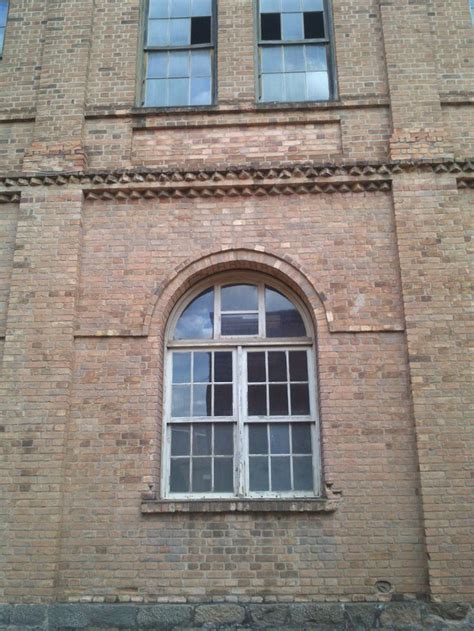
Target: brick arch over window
(192, 271)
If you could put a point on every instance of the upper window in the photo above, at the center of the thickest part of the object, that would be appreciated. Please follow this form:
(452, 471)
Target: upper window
(3, 22)
(240, 400)
(294, 51)
(179, 53)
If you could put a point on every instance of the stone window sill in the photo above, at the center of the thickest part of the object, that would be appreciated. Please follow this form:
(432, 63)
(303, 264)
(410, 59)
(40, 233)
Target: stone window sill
(319, 505)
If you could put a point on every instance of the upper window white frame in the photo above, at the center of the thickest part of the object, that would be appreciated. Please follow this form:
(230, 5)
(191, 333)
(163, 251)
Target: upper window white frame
(247, 426)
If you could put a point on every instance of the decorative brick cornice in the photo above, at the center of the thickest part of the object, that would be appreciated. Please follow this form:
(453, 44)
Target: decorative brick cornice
(8, 197)
(235, 181)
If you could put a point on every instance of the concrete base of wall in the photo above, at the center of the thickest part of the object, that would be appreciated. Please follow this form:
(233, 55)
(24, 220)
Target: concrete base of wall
(406, 616)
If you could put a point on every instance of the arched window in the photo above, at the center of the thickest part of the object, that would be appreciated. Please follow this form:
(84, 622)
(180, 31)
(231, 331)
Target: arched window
(240, 416)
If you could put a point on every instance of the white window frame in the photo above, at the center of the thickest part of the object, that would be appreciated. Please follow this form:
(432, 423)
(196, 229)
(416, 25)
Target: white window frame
(240, 346)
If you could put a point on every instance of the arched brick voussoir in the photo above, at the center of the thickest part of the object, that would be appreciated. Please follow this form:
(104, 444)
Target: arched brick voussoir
(192, 271)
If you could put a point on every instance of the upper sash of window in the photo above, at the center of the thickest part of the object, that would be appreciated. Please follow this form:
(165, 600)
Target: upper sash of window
(3, 22)
(240, 310)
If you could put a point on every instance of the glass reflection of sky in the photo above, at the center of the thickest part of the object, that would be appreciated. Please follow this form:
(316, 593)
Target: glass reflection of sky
(197, 320)
(282, 317)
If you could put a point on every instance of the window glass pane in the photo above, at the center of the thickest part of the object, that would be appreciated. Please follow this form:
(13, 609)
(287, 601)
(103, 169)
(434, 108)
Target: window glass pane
(278, 400)
(295, 86)
(202, 367)
(201, 7)
(179, 475)
(181, 367)
(223, 400)
(301, 438)
(156, 92)
(257, 401)
(223, 475)
(270, 26)
(289, 6)
(303, 473)
(200, 63)
(180, 8)
(314, 25)
(239, 324)
(178, 63)
(178, 91)
(272, 87)
(299, 399)
(201, 91)
(294, 58)
(158, 9)
(202, 400)
(318, 86)
(270, 6)
(282, 317)
(179, 32)
(316, 57)
(291, 26)
(258, 439)
(201, 30)
(181, 440)
(258, 474)
(281, 473)
(181, 401)
(202, 476)
(202, 439)
(277, 366)
(239, 298)
(313, 5)
(256, 370)
(197, 320)
(157, 66)
(223, 367)
(158, 33)
(298, 366)
(2, 37)
(271, 57)
(224, 440)
(279, 438)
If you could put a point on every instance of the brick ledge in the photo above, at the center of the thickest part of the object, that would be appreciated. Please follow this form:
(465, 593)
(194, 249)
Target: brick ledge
(320, 505)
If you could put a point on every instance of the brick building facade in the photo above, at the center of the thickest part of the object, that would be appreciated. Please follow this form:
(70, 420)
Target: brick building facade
(112, 211)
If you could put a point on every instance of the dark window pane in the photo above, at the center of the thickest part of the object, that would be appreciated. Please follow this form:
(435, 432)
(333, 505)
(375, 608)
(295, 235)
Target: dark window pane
(281, 473)
(181, 367)
(282, 317)
(239, 324)
(158, 8)
(223, 475)
(298, 366)
(258, 474)
(314, 25)
(277, 366)
(223, 367)
(179, 475)
(301, 438)
(180, 440)
(223, 440)
(256, 367)
(202, 397)
(202, 439)
(239, 298)
(202, 367)
(279, 438)
(278, 400)
(223, 400)
(258, 439)
(303, 473)
(197, 320)
(201, 30)
(181, 401)
(299, 399)
(257, 400)
(202, 475)
(271, 26)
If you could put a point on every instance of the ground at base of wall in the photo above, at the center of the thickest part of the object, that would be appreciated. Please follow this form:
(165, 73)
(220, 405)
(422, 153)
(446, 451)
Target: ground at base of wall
(403, 616)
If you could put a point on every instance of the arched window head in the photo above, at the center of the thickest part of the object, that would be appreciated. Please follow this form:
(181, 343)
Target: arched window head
(240, 402)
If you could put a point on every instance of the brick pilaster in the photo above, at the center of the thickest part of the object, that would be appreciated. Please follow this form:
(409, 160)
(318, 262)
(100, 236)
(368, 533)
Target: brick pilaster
(35, 387)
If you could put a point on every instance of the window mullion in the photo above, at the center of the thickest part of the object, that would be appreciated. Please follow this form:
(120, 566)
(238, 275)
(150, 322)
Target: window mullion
(240, 451)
